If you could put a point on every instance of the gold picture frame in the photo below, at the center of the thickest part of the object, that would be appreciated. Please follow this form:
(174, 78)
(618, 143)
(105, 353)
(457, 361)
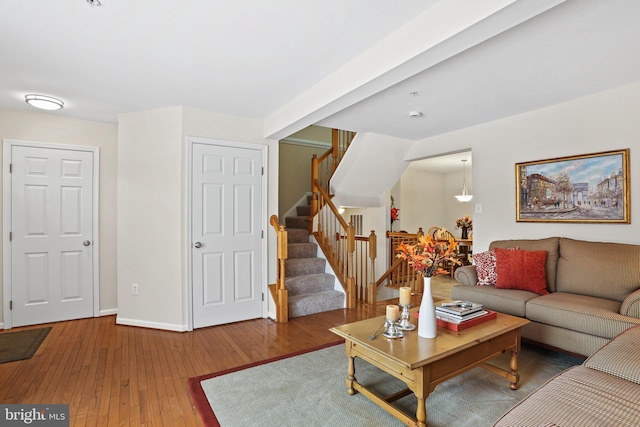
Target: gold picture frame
(589, 188)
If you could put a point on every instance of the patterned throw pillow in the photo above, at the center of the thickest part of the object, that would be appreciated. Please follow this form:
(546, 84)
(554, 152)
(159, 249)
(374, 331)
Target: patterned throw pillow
(486, 268)
(524, 270)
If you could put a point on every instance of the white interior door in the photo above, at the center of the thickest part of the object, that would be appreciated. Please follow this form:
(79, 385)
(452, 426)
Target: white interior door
(226, 234)
(51, 235)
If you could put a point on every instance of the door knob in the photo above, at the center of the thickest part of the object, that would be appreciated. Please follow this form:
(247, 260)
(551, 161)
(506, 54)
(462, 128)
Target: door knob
(198, 245)
(86, 242)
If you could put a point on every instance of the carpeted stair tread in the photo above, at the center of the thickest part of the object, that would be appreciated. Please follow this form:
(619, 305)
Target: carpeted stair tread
(303, 210)
(302, 266)
(297, 235)
(305, 304)
(302, 250)
(310, 283)
(296, 222)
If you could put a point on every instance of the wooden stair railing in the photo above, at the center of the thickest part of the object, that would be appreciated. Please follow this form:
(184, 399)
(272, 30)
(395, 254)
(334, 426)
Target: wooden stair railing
(323, 167)
(400, 273)
(337, 240)
(279, 289)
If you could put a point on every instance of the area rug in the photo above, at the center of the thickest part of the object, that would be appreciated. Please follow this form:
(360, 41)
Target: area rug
(309, 389)
(21, 345)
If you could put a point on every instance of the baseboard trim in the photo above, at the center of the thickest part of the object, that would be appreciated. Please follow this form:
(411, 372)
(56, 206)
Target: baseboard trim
(108, 312)
(151, 325)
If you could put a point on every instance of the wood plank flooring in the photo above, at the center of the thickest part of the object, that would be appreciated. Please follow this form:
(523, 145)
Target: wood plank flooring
(114, 375)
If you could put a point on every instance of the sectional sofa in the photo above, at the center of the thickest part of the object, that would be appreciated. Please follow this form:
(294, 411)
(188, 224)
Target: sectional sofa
(602, 392)
(577, 294)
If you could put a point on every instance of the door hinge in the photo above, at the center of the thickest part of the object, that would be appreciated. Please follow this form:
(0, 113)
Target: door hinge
(263, 296)
(10, 236)
(11, 303)
(10, 167)
(262, 234)
(263, 170)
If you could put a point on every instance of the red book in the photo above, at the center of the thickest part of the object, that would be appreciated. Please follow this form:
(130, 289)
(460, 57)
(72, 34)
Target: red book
(467, 323)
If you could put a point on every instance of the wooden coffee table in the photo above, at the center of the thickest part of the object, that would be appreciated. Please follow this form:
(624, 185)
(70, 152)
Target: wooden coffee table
(424, 363)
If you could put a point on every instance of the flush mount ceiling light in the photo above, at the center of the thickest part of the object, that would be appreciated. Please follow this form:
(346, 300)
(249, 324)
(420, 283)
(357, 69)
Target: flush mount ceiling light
(44, 102)
(465, 196)
(415, 114)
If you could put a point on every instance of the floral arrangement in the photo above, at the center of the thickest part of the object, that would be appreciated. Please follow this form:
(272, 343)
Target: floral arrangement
(464, 222)
(395, 212)
(428, 254)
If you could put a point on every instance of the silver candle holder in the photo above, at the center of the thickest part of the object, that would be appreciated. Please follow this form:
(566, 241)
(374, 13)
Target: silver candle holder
(391, 330)
(405, 319)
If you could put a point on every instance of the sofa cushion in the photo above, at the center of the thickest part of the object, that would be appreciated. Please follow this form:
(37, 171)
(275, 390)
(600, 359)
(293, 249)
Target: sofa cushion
(605, 270)
(549, 244)
(509, 301)
(620, 357)
(578, 396)
(582, 313)
(524, 270)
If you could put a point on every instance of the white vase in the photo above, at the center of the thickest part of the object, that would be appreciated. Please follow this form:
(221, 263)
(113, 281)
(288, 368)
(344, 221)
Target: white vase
(427, 326)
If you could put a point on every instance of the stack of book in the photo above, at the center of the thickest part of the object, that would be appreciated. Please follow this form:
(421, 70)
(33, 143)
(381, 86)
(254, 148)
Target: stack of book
(459, 315)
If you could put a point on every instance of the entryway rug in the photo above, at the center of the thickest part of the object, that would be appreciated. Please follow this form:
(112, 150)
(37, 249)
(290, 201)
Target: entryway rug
(309, 389)
(21, 345)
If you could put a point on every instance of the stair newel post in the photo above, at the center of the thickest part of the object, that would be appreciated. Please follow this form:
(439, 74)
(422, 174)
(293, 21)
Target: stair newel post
(351, 281)
(282, 313)
(372, 288)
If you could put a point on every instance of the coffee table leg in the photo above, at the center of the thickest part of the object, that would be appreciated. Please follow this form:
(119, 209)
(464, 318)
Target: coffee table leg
(513, 375)
(351, 375)
(422, 377)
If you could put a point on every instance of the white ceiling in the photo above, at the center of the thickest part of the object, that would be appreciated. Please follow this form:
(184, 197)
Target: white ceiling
(253, 58)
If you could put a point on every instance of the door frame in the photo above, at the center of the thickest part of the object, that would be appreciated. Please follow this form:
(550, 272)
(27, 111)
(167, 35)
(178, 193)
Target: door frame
(7, 285)
(190, 141)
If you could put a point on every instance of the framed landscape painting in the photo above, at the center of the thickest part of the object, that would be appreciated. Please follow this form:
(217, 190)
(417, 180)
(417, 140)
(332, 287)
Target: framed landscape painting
(585, 188)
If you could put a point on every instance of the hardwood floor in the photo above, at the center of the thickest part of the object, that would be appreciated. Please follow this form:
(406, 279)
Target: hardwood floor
(127, 376)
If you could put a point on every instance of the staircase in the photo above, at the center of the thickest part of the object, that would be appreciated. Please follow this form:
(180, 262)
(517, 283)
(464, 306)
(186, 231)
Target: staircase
(311, 290)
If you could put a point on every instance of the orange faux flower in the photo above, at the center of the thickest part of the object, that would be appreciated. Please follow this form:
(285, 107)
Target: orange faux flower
(428, 254)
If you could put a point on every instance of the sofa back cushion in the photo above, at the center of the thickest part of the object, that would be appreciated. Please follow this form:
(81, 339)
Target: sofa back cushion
(549, 244)
(598, 269)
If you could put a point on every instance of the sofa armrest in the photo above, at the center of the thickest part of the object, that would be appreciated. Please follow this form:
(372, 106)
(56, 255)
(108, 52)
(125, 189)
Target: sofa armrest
(467, 275)
(631, 305)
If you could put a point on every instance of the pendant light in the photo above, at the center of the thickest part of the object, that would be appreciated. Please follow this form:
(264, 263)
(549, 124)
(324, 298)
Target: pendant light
(465, 196)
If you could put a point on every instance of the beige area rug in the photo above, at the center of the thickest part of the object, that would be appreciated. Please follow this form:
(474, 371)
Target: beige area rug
(310, 390)
(441, 286)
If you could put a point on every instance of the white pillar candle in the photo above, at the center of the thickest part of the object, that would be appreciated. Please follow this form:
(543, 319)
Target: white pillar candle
(405, 295)
(393, 312)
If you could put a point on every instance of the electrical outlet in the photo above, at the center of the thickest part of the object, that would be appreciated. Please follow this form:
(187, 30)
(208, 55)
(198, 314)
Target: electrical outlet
(134, 289)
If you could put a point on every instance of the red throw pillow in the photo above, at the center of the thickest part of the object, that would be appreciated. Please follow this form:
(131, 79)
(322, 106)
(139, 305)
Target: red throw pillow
(486, 267)
(524, 270)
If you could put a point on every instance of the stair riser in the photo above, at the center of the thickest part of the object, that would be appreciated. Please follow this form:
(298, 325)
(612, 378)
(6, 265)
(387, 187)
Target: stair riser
(296, 222)
(303, 266)
(304, 305)
(310, 284)
(296, 235)
(302, 250)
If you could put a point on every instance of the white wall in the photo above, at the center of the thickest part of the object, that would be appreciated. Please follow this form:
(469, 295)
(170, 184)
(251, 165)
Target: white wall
(150, 218)
(428, 200)
(42, 127)
(152, 211)
(600, 122)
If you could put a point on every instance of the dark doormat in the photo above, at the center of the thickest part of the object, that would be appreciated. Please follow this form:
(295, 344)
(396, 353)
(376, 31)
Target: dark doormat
(22, 344)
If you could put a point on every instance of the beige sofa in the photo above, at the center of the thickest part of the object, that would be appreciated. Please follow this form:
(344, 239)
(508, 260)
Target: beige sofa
(604, 391)
(594, 293)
